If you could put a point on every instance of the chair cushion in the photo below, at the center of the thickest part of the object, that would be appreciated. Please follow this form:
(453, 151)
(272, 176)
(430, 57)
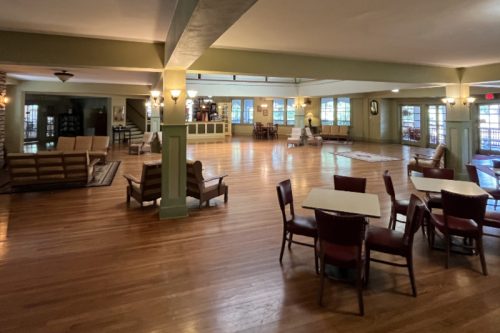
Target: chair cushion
(456, 225)
(385, 240)
(495, 193)
(339, 255)
(303, 225)
(492, 219)
(401, 206)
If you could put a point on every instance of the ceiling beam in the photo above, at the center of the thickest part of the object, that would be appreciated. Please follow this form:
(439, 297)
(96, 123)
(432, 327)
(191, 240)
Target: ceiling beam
(196, 25)
(23, 48)
(316, 67)
(482, 73)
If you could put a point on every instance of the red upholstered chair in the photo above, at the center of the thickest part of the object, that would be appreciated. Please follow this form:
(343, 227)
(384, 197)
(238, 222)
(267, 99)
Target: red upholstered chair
(352, 184)
(434, 200)
(395, 242)
(462, 216)
(474, 177)
(294, 224)
(492, 220)
(397, 206)
(340, 243)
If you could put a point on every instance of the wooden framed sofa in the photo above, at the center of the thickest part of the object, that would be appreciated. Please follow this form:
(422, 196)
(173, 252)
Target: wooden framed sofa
(419, 161)
(334, 132)
(97, 146)
(50, 167)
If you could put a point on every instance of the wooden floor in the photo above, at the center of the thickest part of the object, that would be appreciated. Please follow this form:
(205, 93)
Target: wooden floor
(81, 261)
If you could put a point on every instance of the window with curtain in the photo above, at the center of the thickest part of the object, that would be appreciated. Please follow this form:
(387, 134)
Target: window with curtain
(489, 127)
(279, 111)
(437, 124)
(327, 111)
(236, 111)
(248, 111)
(290, 111)
(410, 123)
(30, 121)
(344, 111)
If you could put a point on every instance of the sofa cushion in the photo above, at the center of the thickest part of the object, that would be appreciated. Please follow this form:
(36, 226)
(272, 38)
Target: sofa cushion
(83, 143)
(65, 143)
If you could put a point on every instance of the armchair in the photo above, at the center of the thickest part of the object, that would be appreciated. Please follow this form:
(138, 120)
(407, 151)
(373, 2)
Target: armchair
(419, 161)
(197, 187)
(143, 146)
(148, 188)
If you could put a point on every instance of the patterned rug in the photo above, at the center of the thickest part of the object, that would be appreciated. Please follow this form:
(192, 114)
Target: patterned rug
(103, 176)
(367, 157)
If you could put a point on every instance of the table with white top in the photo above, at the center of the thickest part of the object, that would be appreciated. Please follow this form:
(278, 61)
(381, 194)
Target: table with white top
(343, 202)
(436, 185)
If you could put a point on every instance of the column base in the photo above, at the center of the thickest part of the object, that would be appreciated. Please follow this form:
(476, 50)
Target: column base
(173, 212)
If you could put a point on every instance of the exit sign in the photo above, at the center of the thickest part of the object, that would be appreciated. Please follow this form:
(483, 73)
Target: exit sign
(489, 96)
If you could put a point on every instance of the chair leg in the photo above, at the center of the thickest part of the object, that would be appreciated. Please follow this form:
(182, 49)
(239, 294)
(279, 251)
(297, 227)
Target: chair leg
(321, 282)
(283, 245)
(392, 220)
(316, 256)
(447, 239)
(226, 194)
(359, 286)
(409, 263)
(480, 249)
(367, 265)
(290, 241)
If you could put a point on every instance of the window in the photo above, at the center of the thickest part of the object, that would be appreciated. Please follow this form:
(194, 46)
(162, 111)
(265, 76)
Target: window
(236, 111)
(290, 111)
(327, 111)
(279, 111)
(343, 111)
(489, 127)
(410, 123)
(248, 111)
(30, 121)
(50, 127)
(437, 124)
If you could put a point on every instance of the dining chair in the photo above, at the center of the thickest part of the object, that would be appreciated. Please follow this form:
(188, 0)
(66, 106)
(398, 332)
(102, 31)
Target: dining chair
(294, 224)
(340, 243)
(397, 206)
(492, 220)
(474, 177)
(396, 243)
(462, 216)
(351, 184)
(496, 165)
(433, 200)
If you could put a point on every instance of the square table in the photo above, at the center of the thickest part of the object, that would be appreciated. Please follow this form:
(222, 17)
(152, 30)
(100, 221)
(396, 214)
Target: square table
(343, 202)
(436, 185)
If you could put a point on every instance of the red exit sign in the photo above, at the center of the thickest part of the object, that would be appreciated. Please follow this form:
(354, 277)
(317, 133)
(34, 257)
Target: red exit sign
(489, 96)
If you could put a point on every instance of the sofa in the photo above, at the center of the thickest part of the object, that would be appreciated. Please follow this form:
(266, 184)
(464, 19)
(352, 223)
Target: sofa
(97, 146)
(335, 132)
(50, 167)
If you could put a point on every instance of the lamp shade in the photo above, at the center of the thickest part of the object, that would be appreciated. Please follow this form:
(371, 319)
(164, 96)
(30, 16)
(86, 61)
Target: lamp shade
(63, 75)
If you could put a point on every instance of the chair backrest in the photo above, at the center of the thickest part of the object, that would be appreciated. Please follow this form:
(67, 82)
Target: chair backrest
(464, 206)
(194, 177)
(285, 198)
(65, 143)
(495, 164)
(159, 136)
(389, 187)
(296, 132)
(472, 171)
(147, 137)
(100, 143)
(308, 132)
(439, 173)
(345, 230)
(83, 143)
(438, 154)
(414, 218)
(352, 184)
(343, 130)
(151, 180)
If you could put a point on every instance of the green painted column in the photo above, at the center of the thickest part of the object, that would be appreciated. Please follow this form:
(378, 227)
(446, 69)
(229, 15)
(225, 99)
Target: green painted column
(173, 190)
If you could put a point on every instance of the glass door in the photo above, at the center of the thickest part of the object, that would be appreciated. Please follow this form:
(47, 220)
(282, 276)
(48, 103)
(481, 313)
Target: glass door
(437, 124)
(410, 123)
(489, 128)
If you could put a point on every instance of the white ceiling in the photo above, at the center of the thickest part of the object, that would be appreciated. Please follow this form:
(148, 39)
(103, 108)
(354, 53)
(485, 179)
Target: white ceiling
(455, 33)
(144, 20)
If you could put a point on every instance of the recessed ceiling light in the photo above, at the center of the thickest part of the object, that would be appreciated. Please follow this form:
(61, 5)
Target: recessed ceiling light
(395, 90)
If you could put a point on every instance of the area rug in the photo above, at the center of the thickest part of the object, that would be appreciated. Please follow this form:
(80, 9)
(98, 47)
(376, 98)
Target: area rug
(367, 157)
(103, 176)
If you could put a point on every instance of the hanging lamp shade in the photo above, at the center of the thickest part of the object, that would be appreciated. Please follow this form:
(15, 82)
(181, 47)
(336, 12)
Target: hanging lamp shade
(63, 75)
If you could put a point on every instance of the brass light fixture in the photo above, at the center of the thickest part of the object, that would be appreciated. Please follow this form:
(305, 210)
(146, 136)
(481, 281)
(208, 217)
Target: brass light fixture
(63, 75)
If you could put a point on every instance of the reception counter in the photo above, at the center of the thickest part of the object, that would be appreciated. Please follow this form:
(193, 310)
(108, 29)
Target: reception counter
(206, 130)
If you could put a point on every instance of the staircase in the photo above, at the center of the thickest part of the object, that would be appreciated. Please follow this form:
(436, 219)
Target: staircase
(135, 133)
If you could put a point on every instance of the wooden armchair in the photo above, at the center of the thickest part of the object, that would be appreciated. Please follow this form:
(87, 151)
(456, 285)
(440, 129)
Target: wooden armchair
(197, 187)
(148, 188)
(419, 161)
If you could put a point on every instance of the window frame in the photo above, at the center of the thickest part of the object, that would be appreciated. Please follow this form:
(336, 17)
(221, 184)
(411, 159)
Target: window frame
(402, 136)
(247, 114)
(324, 112)
(281, 121)
(239, 112)
(290, 109)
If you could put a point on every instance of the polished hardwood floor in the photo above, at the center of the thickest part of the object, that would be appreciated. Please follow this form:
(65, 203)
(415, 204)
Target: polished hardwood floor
(81, 261)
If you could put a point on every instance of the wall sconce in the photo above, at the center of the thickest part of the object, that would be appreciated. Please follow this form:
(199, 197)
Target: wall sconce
(264, 106)
(174, 94)
(192, 93)
(448, 100)
(303, 105)
(469, 100)
(3, 99)
(156, 97)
